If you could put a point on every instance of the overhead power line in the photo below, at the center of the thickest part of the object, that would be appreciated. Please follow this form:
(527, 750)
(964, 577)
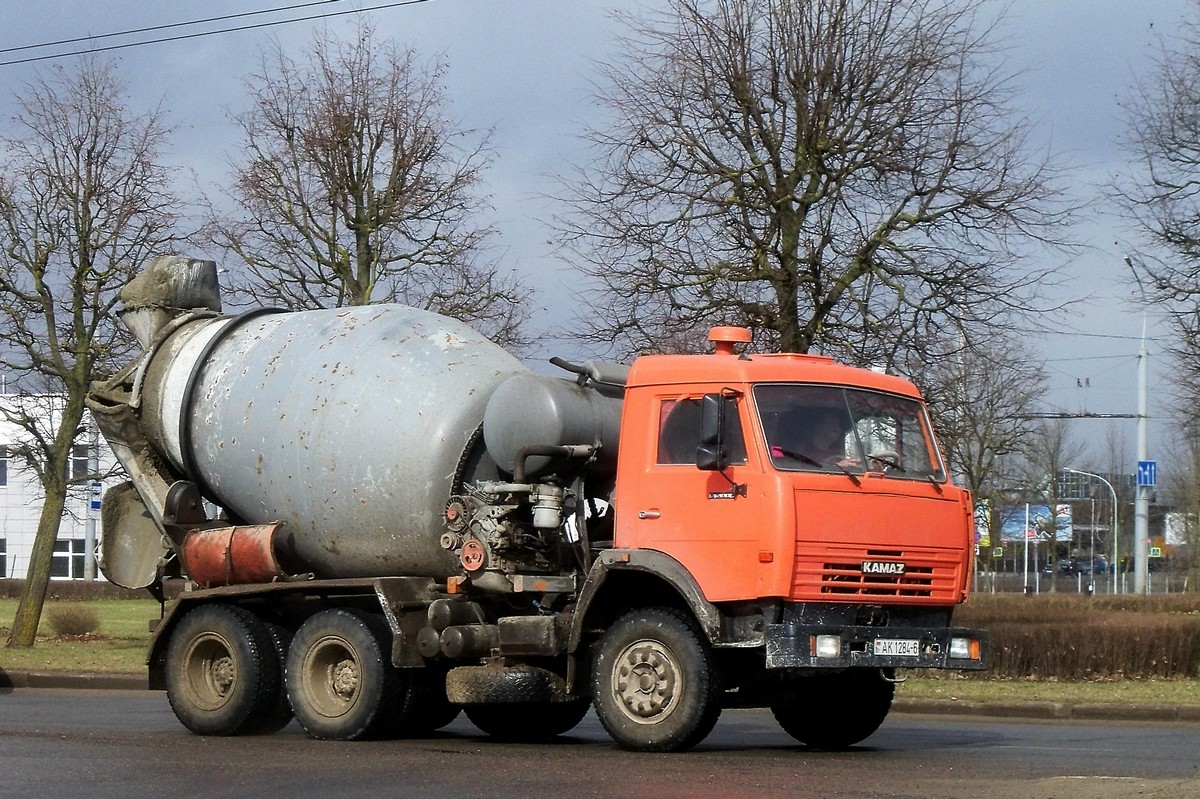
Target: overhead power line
(167, 26)
(197, 35)
(1078, 415)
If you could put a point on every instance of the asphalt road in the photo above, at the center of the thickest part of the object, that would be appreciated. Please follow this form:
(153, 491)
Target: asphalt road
(128, 744)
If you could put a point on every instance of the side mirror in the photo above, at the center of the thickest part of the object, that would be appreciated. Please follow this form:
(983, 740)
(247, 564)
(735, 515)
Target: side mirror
(711, 455)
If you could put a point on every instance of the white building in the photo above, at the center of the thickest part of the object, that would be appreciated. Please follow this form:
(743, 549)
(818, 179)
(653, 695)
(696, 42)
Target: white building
(21, 495)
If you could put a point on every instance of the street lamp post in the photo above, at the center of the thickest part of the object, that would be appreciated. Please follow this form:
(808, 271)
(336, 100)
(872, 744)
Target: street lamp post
(1113, 491)
(1092, 549)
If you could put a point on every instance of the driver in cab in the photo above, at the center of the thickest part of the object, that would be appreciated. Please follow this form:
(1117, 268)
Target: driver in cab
(816, 437)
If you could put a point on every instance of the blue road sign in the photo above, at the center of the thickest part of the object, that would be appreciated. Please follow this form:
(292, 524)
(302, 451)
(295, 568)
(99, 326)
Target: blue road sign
(1147, 473)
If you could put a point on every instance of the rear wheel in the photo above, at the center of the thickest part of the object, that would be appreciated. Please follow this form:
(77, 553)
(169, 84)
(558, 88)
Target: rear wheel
(838, 710)
(656, 687)
(425, 706)
(340, 679)
(279, 711)
(524, 721)
(223, 673)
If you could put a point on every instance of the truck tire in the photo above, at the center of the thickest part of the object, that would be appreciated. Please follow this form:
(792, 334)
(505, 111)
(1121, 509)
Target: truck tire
(279, 714)
(527, 721)
(426, 707)
(655, 683)
(223, 674)
(340, 678)
(838, 710)
(492, 685)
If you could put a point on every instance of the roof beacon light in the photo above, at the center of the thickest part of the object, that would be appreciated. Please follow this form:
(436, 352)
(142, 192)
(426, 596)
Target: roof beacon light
(725, 337)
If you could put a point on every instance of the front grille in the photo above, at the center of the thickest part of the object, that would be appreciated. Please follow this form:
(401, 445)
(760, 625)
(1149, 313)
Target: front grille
(846, 578)
(832, 572)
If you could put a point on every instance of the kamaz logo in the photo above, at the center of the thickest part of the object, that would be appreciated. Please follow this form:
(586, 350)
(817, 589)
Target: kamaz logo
(882, 567)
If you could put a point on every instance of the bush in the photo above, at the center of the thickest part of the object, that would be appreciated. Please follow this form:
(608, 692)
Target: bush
(1068, 637)
(73, 620)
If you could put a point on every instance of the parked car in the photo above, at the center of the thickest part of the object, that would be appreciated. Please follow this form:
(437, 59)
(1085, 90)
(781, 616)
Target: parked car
(1068, 567)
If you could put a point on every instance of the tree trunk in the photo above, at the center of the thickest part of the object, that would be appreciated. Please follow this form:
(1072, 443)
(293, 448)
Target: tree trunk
(54, 483)
(33, 595)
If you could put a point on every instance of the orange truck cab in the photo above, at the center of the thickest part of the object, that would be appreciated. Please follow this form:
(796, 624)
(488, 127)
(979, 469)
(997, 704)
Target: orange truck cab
(803, 507)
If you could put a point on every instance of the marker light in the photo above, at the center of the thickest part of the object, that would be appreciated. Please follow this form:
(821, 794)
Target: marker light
(964, 648)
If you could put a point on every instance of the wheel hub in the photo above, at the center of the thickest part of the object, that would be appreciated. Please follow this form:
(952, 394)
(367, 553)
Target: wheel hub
(223, 673)
(345, 679)
(646, 680)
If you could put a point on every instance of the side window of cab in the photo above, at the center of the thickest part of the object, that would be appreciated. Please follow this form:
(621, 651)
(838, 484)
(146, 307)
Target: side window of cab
(679, 432)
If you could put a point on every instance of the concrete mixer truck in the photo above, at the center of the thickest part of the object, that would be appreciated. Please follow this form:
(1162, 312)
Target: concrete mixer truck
(377, 519)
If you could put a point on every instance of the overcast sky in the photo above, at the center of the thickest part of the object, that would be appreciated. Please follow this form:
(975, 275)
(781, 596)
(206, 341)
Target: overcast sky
(525, 67)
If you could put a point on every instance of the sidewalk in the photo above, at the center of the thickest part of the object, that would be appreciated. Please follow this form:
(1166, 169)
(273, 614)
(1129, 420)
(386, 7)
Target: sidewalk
(1058, 711)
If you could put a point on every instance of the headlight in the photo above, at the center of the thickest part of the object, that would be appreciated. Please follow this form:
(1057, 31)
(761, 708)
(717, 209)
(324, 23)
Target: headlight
(827, 646)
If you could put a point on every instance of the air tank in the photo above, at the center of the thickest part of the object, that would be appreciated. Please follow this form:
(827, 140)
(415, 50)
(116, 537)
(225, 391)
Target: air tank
(528, 408)
(348, 426)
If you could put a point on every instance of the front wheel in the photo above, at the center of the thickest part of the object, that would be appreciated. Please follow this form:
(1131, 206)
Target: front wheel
(655, 682)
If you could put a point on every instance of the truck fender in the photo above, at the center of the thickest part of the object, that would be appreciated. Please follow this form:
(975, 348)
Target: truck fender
(658, 564)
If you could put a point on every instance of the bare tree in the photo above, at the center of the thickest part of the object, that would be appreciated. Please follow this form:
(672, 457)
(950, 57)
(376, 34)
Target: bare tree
(983, 402)
(354, 186)
(1162, 194)
(84, 200)
(1183, 482)
(842, 173)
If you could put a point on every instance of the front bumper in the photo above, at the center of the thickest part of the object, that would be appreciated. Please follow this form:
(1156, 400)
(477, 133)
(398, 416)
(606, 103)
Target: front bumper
(800, 645)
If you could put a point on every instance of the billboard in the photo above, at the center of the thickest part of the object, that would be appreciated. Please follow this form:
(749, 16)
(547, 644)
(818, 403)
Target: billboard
(1033, 522)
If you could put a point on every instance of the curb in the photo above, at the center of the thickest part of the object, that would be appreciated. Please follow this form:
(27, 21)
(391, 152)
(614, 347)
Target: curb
(57, 679)
(1056, 711)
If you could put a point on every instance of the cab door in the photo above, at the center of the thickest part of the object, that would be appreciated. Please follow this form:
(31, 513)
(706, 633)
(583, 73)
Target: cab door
(710, 521)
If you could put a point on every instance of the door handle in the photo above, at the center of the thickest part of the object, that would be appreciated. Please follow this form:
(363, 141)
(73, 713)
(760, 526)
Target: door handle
(648, 514)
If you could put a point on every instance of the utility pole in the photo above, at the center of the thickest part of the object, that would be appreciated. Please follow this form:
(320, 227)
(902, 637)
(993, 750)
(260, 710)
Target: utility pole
(1144, 482)
(1141, 499)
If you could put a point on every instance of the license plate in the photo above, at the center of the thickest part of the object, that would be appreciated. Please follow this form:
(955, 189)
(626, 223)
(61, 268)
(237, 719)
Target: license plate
(897, 647)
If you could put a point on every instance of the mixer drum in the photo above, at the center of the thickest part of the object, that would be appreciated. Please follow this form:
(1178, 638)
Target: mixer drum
(349, 426)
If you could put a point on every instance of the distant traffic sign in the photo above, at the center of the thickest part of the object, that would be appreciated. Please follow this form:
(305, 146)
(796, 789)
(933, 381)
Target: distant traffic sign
(1147, 473)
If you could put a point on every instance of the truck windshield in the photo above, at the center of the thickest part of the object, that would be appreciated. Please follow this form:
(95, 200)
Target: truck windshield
(837, 429)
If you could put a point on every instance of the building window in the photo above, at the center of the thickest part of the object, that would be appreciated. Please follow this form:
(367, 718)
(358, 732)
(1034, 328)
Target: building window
(68, 558)
(3, 466)
(3, 557)
(79, 461)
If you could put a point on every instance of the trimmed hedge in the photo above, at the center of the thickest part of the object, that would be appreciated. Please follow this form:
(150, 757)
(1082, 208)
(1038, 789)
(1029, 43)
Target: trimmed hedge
(1068, 637)
(81, 590)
